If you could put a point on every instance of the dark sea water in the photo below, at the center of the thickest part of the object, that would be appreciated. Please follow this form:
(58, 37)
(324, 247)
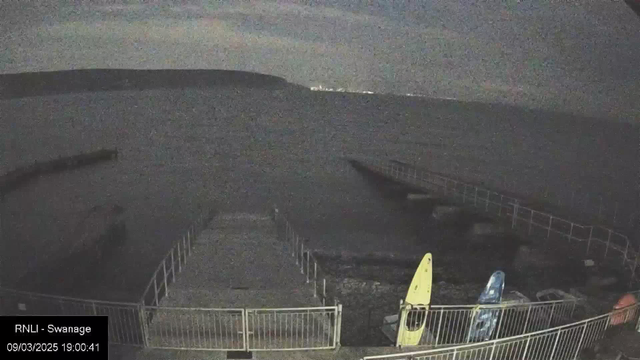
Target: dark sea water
(182, 151)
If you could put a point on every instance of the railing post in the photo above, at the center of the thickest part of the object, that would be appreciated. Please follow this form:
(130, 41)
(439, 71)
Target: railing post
(624, 256)
(500, 323)
(179, 258)
(530, 222)
(549, 229)
(307, 266)
(526, 321)
(439, 326)
(315, 279)
(164, 268)
(584, 330)
(155, 288)
(526, 347)
(555, 345)
(173, 267)
(189, 243)
(515, 215)
(324, 291)
(571, 232)
(93, 305)
(493, 350)
(476, 310)
(551, 315)
(143, 325)
(184, 250)
(500, 209)
(338, 326)
(302, 257)
(245, 329)
(295, 247)
(589, 241)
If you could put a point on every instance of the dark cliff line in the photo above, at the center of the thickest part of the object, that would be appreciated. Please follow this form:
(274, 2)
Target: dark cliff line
(93, 80)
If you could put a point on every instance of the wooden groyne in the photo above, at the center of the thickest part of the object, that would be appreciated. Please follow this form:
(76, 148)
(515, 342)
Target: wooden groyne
(21, 176)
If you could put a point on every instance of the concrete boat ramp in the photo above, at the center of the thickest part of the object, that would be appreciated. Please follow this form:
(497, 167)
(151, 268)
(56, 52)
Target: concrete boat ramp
(240, 289)
(238, 262)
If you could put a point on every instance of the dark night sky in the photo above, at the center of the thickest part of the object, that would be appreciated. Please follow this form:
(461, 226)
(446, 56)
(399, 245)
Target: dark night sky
(580, 56)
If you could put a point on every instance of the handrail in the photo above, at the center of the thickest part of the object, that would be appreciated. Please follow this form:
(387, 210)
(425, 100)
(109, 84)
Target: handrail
(509, 206)
(180, 251)
(500, 306)
(303, 257)
(492, 343)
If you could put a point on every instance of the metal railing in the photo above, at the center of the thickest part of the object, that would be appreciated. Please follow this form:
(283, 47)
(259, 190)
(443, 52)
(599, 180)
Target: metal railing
(125, 321)
(172, 263)
(149, 325)
(313, 328)
(303, 255)
(195, 328)
(522, 218)
(590, 205)
(451, 324)
(559, 343)
(294, 328)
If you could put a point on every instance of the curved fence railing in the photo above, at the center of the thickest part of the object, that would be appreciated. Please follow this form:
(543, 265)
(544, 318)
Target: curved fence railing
(597, 239)
(125, 319)
(447, 325)
(559, 343)
(173, 262)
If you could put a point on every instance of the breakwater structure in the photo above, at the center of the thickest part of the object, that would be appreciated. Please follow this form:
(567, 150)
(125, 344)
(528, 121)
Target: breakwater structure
(24, 174)
(243, 283)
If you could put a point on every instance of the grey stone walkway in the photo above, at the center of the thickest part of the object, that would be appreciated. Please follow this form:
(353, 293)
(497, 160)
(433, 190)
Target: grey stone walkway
(238, 262)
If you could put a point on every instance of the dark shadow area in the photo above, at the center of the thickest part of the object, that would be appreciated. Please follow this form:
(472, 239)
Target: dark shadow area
(370, 285)
(93, 80)
(634, 5)
(95, 240)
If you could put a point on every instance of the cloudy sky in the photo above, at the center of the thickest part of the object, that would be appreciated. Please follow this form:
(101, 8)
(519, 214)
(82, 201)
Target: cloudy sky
(573, 55)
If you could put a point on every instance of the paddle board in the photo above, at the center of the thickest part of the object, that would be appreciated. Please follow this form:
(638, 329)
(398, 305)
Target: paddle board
(484, 321)
(416, 302)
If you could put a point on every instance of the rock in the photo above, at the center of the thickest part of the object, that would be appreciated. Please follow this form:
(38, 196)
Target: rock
(481, 230)
(446, 213)
(420, 196)
(599, 281)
